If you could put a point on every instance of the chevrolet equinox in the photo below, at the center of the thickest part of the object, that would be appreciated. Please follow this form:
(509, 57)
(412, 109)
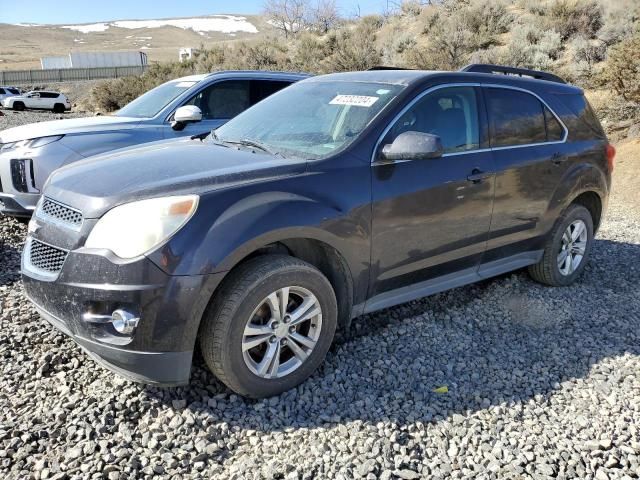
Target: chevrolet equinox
(338, 196)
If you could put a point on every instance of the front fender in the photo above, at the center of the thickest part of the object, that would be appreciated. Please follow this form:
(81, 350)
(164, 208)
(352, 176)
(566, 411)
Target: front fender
(256, 220)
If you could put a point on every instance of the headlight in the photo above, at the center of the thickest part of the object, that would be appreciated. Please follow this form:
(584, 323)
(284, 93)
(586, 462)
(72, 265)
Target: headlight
(31, 143)
(135, 228)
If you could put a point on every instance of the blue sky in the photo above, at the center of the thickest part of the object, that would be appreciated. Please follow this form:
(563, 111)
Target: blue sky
(82, 11)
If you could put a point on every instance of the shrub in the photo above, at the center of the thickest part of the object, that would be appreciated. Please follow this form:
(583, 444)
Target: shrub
(355, 48)
(576, 17)
(622, 72)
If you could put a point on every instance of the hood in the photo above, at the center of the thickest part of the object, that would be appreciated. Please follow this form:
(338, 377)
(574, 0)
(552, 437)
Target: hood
(65, 127)
(173, 167)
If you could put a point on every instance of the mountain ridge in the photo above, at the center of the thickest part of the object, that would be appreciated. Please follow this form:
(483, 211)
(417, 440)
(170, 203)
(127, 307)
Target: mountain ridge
(23, 44)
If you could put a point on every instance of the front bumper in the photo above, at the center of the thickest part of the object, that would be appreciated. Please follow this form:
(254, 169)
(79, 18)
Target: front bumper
(155, 368)
(18, 205)
(160, 349)
(39, 163)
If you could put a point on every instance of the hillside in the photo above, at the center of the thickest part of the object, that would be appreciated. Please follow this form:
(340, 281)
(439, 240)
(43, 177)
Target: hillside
(22, 45)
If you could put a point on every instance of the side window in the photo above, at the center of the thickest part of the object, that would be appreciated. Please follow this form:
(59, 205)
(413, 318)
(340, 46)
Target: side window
(261, 89)
(2, 92)
(451, 113)
(555, 132)
(223, 100)
(516, 118)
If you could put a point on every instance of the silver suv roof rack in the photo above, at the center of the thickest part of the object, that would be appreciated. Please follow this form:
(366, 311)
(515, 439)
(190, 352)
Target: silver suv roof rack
(503, 70)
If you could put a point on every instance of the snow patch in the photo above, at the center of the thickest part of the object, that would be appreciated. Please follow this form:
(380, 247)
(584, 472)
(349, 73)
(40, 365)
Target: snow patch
(90, 28)
(220, 23)
(229, 24)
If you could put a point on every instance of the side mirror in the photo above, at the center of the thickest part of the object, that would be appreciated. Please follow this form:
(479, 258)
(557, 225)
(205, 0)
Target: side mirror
(413, 146)
(184, 115)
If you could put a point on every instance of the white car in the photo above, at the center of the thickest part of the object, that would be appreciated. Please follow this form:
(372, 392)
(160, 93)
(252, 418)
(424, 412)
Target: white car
(40, 99)
(6, 92)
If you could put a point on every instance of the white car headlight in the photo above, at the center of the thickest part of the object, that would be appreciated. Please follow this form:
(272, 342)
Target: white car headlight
(135, 228)
(31, 143)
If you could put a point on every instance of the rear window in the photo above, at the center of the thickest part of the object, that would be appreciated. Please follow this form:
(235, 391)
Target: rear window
(516, 118)
(580, 107)
(49, 95)
(555, 132)
(2, 92)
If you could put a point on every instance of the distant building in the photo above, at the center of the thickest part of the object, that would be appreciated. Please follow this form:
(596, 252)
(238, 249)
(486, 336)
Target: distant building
(187, 53)
(95, 59)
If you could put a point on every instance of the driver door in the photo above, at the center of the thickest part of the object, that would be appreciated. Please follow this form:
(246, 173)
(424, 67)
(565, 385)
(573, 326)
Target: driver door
(431, 217)
(33, 100)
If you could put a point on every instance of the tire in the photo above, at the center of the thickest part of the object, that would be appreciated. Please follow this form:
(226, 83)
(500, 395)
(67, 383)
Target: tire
(550, 270)
(58, 108)
(242, 300)
(18, 106)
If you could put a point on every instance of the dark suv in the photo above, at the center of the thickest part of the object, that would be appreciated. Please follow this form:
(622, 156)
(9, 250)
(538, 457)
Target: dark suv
(340, 195)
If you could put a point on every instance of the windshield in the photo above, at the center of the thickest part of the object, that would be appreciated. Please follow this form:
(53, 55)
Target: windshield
(310, 119)
(150, 104)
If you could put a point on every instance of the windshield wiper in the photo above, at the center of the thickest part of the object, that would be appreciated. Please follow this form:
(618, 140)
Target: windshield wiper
(255, 144)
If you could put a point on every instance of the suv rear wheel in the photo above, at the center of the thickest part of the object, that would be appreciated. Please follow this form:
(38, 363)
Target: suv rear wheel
(58, 108)
(270, 326)
(567, 249)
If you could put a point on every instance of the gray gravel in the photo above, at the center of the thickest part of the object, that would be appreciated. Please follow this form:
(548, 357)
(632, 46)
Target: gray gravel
(542, 383)
(15, 119)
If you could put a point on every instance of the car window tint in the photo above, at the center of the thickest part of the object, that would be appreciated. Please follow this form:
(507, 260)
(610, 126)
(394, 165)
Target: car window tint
(450, 113)
(2, 92)
(516, 118)
(14, 91)
(261, 89)
(555, 132)
(223, 100)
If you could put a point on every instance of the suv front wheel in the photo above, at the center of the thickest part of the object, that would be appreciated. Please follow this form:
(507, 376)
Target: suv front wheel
(567, 249)
(270, 326)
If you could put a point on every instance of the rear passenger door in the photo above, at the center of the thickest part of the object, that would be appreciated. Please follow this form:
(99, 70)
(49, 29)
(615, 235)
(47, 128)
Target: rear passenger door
(223, 100)
(527, 141)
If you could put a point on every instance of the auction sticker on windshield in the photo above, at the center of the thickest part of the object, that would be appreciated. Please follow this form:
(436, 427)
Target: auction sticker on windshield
(354, 100)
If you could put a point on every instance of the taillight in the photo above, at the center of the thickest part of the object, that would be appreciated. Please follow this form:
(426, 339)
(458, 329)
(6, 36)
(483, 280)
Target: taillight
(611, 154)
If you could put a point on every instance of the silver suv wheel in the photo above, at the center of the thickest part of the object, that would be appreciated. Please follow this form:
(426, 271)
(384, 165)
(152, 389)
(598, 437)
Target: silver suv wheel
(282, 332)
(572, 247)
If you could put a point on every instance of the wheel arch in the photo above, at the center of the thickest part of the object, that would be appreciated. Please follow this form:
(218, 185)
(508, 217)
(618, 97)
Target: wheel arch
(318, 252)
(586, 185)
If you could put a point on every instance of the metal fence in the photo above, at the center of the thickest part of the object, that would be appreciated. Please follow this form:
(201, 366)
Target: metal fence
(19, 77)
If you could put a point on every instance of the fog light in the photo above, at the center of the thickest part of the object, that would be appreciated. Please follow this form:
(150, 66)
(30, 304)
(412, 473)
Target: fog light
(123, 321)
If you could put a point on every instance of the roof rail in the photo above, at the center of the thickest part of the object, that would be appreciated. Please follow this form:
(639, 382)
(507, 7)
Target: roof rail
(521, 72)
(384, 67)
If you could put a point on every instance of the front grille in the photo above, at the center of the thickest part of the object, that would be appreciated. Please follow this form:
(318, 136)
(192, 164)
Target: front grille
(61, 212)
(45, 257)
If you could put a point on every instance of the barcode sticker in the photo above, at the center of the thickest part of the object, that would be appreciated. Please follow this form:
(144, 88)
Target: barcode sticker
(354, 100)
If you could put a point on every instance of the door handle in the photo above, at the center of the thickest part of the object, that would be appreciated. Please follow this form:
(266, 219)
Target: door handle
(478, 175)
(558, 158)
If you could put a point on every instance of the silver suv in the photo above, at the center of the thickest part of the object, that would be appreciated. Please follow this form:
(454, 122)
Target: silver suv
(192, 105)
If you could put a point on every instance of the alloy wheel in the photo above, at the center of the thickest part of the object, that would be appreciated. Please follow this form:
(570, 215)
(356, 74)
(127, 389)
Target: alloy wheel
(282, 332)
(572, 247)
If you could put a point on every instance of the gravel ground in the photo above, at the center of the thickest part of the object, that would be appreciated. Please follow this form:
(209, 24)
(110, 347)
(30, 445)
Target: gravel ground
(15, 119)
(542, 383)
